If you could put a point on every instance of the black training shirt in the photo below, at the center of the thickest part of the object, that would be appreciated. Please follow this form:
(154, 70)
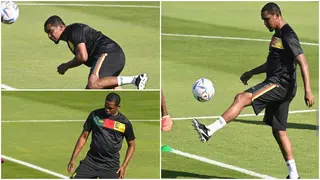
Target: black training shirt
(283, 49)
(96, 42)
(107, 136)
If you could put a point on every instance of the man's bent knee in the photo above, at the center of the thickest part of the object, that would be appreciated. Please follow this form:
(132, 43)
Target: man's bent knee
(243, 98)
(93, 82)
(93, 85)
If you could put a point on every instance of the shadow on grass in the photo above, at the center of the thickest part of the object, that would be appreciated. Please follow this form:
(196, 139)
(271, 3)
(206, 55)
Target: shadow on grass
(180, 174)
(289, 124)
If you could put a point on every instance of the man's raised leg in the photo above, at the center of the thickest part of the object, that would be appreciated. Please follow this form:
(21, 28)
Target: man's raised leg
(240, 101)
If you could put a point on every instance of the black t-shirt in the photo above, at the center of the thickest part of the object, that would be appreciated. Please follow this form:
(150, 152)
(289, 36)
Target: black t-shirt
(96, 42)
(283, 49)
(107, 136)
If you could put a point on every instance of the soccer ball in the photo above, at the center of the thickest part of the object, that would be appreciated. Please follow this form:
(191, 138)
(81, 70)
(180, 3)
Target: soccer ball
(203, 90)
(9, 12)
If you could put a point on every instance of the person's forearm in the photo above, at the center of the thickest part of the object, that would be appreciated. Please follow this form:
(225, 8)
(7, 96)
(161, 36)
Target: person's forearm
(80, 143)
(74, 63)
(129, 155)
(260, 69)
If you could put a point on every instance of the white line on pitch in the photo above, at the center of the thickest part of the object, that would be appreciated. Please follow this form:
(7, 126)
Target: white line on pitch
(87, 5)
(77, 120)
(6, 87)
(209, 161)
(34, 167)
(176, 119)
(245, 115)
(229, 38)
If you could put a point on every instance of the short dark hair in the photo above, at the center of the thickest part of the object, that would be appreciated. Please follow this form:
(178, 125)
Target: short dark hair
(54, 21)
(113, 97)
(272, 8)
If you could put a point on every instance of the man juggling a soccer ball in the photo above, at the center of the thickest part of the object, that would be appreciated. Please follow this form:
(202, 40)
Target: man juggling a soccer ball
(277, 91)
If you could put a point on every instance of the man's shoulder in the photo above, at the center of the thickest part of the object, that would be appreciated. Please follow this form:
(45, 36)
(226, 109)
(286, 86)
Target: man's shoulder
(287, 31)
(76, 26)
(123, 118)
(98, 111)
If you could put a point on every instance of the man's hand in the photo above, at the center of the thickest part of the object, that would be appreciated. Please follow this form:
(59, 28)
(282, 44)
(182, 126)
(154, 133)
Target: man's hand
(71, 164)
(122, 171)
(166, 123)
(309, 99)
(245, 77)
(62, 68)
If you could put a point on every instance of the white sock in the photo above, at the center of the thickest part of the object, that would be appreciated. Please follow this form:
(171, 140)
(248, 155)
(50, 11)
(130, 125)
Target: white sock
(293, 173)
(218, 124)
(126, 80)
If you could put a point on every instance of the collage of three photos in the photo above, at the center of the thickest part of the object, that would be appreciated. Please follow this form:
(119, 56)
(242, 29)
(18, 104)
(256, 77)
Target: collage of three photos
(159, 89)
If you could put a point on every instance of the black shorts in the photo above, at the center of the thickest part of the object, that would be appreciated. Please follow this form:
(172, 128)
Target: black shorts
(85, 171)
(275, 99)
(108, 64)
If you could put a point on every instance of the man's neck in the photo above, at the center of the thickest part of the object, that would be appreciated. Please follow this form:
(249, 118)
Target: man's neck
(281, 24)
(63, 37)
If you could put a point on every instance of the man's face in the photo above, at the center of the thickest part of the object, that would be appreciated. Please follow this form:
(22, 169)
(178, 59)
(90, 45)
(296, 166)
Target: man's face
(111, 108)
(54, 32)
(270, 21)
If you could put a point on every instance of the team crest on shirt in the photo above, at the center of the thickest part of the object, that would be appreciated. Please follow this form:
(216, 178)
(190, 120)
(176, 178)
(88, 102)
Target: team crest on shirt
(71, 46)
(276, 43)
(119, 126)
(110, 124)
